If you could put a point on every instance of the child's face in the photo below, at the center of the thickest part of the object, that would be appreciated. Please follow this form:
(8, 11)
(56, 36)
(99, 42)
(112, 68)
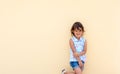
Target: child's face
(78, 33)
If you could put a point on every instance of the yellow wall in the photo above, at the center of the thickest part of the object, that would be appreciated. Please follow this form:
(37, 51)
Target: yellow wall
(34, 35)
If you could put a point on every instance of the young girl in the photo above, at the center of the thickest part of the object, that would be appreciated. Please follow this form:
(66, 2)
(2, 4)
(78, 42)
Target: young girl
(78, 48)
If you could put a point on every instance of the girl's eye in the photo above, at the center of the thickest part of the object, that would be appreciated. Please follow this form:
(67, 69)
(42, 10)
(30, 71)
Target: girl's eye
(80, 30)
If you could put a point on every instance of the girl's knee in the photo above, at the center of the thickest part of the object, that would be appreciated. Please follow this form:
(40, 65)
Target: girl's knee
(78, 71)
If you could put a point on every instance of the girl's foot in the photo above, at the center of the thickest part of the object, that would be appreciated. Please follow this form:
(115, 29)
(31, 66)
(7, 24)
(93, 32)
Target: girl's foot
(63, 71)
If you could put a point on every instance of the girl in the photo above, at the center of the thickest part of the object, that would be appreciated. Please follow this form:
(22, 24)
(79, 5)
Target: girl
(78, 48)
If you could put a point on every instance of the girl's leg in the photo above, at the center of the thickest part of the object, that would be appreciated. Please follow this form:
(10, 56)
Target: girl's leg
(69, 73)
(78, 70)
(82, 68)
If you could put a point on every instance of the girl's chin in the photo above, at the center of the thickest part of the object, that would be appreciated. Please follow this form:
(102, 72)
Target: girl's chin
(78, 37)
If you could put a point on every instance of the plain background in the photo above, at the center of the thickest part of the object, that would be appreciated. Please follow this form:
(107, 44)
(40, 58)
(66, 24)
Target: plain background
(34, 35)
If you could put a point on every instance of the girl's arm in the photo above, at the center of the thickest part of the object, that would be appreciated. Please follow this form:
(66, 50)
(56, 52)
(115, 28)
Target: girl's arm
(73, 48)
(85, 49)
(79, 61)
(76, 55)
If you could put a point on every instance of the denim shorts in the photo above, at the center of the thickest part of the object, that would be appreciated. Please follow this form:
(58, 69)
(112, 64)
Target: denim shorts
(75, 64)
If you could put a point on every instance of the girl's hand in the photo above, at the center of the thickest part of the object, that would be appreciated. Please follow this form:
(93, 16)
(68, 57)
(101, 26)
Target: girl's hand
(80, 64)
(75, 54)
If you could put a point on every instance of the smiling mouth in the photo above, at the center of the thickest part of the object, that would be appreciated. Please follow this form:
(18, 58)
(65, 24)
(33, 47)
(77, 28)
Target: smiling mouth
(78, 34)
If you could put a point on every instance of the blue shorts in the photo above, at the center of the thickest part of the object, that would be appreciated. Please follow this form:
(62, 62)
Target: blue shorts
(75, 64)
